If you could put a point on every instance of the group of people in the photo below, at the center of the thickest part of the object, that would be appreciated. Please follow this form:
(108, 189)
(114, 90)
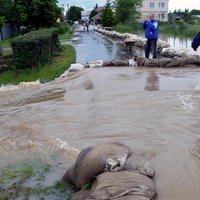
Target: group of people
(151, 27)
(85, 23)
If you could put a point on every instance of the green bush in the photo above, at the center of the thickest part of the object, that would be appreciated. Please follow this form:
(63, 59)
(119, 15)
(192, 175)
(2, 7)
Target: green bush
(62, 28)
(35, 48)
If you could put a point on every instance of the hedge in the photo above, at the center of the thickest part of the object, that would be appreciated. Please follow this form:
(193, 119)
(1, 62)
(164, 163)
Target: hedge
(35, 48)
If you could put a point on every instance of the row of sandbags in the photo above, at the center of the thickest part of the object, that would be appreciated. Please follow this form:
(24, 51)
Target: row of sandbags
(192, 61)
(163, 47)
(113, 172)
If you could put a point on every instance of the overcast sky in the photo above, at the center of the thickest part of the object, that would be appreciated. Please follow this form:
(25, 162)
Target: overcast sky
(173, 4)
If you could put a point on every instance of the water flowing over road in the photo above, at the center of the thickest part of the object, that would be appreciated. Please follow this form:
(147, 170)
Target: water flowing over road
(154, 111)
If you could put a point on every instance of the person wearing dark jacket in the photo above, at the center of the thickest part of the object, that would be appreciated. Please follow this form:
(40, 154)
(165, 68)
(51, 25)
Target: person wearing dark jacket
(196, 42)
(151, 27)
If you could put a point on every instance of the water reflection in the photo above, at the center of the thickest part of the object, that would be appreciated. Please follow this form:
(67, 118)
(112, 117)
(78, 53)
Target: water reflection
(178, 42)
(152, 83)
(93, 46)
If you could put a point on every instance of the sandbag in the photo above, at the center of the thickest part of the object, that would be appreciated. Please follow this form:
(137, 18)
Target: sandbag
(85, 195)
(92, 161)
(151, 63)
(132, 197)
(81, 195)
(111, 185)
(140, 60)
(115, 63)
(141, 166)
(193, 60)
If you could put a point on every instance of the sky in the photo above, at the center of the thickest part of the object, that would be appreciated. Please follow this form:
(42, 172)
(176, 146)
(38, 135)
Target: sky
(173, 4)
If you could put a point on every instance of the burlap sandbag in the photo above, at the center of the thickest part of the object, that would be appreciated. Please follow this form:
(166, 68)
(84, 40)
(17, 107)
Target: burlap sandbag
(141, 166)
(193, 60)
(92, 161)
(164, 61)
(151, 63)
(140, 60)
(113, 185)
(84, 195)
(115, 63)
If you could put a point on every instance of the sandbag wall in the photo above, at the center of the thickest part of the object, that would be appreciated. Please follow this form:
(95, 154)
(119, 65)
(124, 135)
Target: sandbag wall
(163, 47)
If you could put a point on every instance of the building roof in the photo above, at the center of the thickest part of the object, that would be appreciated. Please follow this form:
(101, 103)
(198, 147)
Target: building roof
(101, 8)
(97, 16)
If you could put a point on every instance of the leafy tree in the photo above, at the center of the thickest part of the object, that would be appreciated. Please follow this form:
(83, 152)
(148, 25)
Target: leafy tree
(127, 9)
(195, 12)
(93, 13)
(74, 13)
(108, 18)
(34, 13)
(4, 6)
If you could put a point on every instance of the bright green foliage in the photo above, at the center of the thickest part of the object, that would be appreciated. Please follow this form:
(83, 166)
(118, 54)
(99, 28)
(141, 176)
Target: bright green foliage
(34, 13)
(108, 18)
(59, 64)
(74, 13)
(35, 48)
(127, 9)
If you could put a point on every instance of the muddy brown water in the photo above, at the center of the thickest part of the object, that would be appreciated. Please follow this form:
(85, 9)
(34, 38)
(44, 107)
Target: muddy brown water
(155, 111)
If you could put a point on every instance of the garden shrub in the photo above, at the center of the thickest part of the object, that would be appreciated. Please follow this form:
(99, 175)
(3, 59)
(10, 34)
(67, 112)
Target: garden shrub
(35, 48)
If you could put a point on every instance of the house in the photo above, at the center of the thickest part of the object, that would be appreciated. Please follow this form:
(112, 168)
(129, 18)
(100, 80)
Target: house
(158, 7)
(85, 15)
(100, 9)
(97, 18)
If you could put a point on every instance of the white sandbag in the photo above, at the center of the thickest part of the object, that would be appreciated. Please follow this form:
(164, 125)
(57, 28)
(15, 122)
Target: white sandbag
(94, 64)
(76, 67)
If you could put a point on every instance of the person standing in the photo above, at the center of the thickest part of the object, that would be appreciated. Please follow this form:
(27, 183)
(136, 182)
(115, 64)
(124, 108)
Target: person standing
(151, 27)
(196, 42)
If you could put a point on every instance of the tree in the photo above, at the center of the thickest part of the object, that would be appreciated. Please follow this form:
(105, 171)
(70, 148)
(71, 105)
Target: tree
(74, 13)
(127, 9)
(4, 6)
(34, 13)
(108, 18)
(194, 12)
(93, 13)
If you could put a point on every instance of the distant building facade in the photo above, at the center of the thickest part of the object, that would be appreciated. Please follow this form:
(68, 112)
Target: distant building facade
(85, 14)
(158, 7)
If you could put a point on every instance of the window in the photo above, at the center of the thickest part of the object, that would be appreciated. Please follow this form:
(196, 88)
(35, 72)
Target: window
(152, 5)
(161, 5)
(161, 16)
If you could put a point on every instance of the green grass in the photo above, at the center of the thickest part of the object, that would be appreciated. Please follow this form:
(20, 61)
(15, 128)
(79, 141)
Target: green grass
(175, 29)
(7, 53)
(65, 36)
(179, 29)
(6, 43)
(14, 179)
(50, 71)
(123, 28)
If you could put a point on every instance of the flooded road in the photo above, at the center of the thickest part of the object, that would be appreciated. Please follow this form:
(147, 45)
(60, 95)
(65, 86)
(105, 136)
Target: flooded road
(154, 111)
(94, 46)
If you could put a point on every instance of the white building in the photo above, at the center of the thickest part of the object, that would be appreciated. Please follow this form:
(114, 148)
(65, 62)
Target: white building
(158, 7)
(85, 14)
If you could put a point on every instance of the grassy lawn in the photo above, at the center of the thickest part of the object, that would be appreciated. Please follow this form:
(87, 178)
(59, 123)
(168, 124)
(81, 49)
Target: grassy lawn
(50, 71)
(7, 53)
(65, 36)
(6, 43)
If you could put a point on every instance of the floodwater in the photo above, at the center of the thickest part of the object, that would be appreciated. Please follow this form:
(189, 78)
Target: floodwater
(91, 46)
(154, 111)
(178, 42)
